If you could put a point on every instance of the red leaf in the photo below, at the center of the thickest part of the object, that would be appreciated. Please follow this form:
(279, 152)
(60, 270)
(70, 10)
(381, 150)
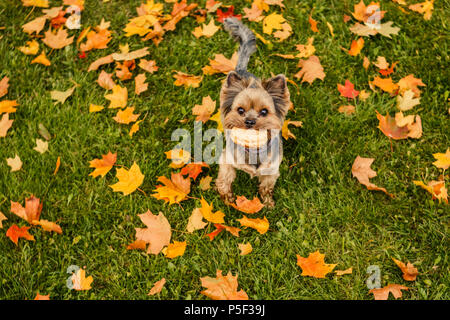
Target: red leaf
(227, 14)
(348, 90)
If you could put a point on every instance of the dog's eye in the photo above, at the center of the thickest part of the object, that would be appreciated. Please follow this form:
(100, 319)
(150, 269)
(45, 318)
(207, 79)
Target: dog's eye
(264, 112)
(240, 110)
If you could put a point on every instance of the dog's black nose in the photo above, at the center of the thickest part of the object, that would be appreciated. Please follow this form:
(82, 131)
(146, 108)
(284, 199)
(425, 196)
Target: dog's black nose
(250, 123)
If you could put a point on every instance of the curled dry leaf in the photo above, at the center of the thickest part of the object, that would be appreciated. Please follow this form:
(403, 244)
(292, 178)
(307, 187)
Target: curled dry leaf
(105, 80)
(436, 188)
(410, 273)
(361, 170)
(285, 132)
(157, 287)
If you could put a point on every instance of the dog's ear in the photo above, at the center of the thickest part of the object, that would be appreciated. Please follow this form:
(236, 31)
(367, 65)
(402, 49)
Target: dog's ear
(278, 90)
(233, 79)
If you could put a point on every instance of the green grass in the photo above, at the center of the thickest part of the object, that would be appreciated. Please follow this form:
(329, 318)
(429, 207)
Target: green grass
(319, 205)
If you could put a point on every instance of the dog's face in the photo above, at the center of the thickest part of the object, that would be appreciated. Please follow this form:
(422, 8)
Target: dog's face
(247, 103)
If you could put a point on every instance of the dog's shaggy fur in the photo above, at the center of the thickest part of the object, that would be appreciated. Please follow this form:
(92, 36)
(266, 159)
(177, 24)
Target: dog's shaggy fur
(251, 103)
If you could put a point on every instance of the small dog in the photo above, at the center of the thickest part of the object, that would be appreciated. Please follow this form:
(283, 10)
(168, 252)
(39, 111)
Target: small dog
(247, 102)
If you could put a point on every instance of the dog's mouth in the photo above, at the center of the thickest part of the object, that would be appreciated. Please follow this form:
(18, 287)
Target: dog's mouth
(251, 139)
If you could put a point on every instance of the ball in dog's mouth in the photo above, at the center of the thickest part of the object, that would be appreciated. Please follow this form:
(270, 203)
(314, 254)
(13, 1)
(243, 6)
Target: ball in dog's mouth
(250, 138)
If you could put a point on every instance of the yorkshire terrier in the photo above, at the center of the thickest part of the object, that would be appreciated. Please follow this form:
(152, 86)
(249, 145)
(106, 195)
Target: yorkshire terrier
(249, 103)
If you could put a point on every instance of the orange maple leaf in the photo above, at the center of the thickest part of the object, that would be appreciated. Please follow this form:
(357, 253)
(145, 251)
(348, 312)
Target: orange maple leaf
(383, 293)
(248, 206)
(157, 232)
(193, 169)
(14, 233)
(410, 273)
(260, 225)
(222, 287)
(102, 166)
(361, 170)
(174, 190)
(58, 40)
(187, 80)
(314, 265)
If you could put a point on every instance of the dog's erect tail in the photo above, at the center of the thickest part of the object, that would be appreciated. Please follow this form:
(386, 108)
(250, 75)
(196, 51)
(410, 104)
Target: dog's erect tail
(246, 39)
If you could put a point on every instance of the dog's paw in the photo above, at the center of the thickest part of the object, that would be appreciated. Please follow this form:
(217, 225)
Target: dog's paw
(228, 198)
(268, 202)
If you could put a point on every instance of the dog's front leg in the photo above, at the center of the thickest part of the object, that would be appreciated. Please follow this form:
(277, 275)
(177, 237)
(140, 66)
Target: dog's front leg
(266, 186)
(227, 174)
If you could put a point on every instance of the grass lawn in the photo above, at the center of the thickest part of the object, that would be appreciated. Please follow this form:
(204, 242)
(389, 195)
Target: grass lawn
(319, 205)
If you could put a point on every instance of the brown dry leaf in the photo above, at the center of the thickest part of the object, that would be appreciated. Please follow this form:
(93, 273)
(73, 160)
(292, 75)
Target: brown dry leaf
(15, 163)
(426, 8)
(174, 190)
(254, 13)
(222, 287)
(105, 80)
(383, 293)
(32, 210)
(195, 221)
(127, 56)
(407, 101)
(41, 146)
(220, 64)
(314, 266)
(5, 125)
(261, 225)
(157, 287)
(57, 40)
(410, 273)
(248, 206)
(157, 233)
(361, 170)
(205, 183)
(311, 70)
(205, 110)
(139, 84)
(187, 80)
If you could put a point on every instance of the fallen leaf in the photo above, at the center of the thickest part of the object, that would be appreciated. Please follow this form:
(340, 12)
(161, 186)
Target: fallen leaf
(8, 106)
(314, 266)
(35, 25)
(61, 96)
(410, 273)
(15, 163)
(285, 132)
(80, 281)
(157, 232)
(273, 21)
(248, 206)
(31, 48)
(347, 110)
(195, 221)
(58, 164)
(41, 146)
(179, 157)
(343, 272)
(222, 287)
(311, 69)
(220, 64)
(129, 180)
(99, 62)
(207, 212)
(5, 125)
(361, 170)
(14, 233)
(41, 297)
(58, 40)
(175, 249)
(260, 225)
(137, 245)
(410, 83)
(348, 90)
(307, 50)
(35, 3)
(48, 225)
(385, 84)
(102, 166)
(2, 218)
(205, 110)
(407, 101)
(193, 169)
(31, 212)
(118, 97)
(148, 65)
(206, 30)
(105, 80)
(245, 248)
(216, 118)
(174, 190)
(436, 188)
(442, 159)
(139, 84)
(95, 108)
(157, 287)
(356, 46)
(205, 183)
(383, 293)
(254, 13)
(187, 80)
(41, 59)
(134, 128)
(426, 8)
(313, 24)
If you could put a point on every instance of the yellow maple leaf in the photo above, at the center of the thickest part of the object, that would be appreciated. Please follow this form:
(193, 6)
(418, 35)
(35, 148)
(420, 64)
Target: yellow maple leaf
(42, 59)
(175, 249)
(273, 21)
(35, 3)
(442, 160)
(118, 97)
(206, 210)
(129, 180)
(102, 166)
(174, 190)
(285, 132)
(80, 281)
(31, 48)
(216, 118)
(126, 116)
(260, 225)
(8, 106)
